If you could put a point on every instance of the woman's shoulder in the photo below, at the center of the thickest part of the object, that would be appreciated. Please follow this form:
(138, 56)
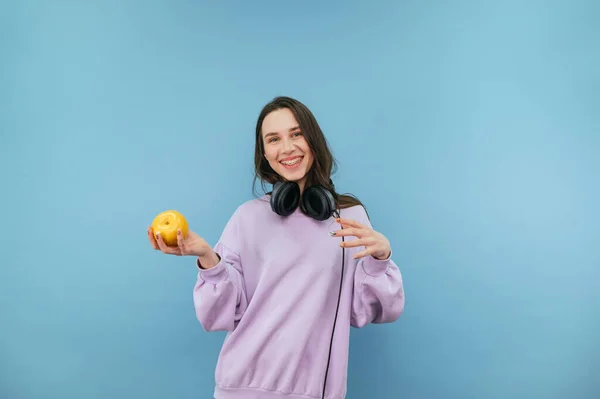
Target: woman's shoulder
(259, 204)
(244, 220)
(356, 212)
(251, 209)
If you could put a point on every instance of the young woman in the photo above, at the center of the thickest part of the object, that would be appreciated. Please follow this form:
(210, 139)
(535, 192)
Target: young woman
(292, 270)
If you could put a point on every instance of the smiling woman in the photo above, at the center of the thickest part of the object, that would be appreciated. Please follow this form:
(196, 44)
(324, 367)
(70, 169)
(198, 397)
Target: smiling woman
(284, 280)
(290, 146)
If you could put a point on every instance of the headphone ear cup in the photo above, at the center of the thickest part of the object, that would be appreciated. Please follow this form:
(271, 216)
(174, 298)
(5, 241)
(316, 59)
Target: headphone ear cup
(318, 203)
(285, 198)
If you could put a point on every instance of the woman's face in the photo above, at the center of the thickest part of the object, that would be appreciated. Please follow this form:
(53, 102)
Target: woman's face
(286, 148)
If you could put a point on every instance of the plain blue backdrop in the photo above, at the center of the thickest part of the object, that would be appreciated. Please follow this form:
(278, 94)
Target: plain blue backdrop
(471, 129)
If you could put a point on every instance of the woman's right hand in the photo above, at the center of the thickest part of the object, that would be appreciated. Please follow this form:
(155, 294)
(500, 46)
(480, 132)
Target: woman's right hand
(192, 245)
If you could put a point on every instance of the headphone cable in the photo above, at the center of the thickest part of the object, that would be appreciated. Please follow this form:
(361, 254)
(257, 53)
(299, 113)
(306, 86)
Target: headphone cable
(335, 319)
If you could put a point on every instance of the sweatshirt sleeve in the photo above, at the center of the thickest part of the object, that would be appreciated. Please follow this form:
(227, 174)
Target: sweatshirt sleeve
(378, 290)
(219, 293)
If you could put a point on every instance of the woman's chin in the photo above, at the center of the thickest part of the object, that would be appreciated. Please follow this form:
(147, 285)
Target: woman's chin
(293, 175)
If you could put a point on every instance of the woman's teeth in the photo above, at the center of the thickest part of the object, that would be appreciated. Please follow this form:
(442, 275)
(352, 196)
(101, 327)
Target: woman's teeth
(292, 162)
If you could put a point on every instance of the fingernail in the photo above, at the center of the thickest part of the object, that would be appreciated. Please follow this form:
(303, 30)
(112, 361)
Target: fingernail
(332, 233)
(178, 232)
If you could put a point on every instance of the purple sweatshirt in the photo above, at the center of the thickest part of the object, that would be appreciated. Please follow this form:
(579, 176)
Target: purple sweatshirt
(275, 291)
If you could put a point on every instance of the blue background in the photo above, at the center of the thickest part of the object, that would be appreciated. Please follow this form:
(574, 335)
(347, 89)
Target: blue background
(476, 122)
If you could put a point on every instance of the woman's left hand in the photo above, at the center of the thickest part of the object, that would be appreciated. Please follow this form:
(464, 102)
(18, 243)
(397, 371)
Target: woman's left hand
(374, 242)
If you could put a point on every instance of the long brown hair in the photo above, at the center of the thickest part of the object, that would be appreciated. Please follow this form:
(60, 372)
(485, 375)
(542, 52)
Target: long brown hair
(324, 164)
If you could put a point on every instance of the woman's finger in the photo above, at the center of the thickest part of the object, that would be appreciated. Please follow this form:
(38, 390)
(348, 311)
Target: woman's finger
(349, 231)
(161, 244)
(165, 248)
(350, 222)
(180, 242)
(363, 253)
(151, 239)
(363, 242)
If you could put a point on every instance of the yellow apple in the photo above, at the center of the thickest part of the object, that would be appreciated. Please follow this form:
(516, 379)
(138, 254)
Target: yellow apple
(167, 223)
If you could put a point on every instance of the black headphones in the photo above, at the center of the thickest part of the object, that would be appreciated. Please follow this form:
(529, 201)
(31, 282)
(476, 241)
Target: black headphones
(319, 203)
(316, 201)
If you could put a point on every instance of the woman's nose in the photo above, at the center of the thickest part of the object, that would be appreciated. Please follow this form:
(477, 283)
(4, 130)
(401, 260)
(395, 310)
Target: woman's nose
(287, 146)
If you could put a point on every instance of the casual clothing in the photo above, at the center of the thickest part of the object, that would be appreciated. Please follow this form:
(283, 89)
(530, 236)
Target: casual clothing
(275, 291)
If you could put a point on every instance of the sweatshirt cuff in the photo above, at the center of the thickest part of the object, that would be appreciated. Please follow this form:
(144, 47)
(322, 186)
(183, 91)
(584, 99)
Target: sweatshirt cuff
(376, 267)
(214, 275)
